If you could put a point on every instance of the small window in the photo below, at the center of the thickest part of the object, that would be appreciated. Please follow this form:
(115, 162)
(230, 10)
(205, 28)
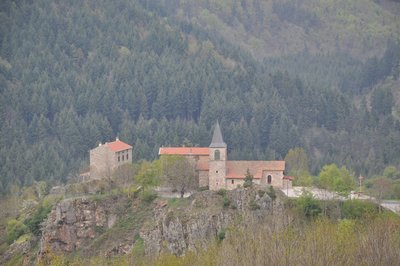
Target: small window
(123, 157)
(216, 171)
(118, 158)
(216, 155)
(269, 179)
(127, 156)
(233, 181)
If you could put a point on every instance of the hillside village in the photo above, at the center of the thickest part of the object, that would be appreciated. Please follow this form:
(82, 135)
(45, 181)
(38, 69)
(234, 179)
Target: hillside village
(211, 164)
(197, 132)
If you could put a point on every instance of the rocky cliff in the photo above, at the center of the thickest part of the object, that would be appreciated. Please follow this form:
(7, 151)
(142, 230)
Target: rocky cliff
(174, 226)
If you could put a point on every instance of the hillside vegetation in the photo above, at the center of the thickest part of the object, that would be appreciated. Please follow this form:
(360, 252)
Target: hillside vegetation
(276, 28)
(74, 73)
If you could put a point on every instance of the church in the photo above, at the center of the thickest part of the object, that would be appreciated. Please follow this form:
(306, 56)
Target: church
(217, 172)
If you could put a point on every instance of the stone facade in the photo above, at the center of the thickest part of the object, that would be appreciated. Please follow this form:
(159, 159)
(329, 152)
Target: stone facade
(217, 172)
(105, 158)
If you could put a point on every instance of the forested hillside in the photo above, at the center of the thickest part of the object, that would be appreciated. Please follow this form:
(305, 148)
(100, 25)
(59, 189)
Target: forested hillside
(322, 75)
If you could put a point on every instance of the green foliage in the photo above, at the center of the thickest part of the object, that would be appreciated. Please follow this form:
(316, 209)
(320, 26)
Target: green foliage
(308, 205)
(148, 196)
(178, 172)
(222, 192)
(335, 179)
(149, 174)
(226, 202)
(34, 223)
(391, 172)
(357, 209)
(248, 179)
(138, 247)
(221, 234)
(102, 72)
(271, 193)
(14, 230)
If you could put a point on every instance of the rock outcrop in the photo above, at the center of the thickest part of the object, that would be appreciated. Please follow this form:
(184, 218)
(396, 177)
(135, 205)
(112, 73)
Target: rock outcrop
(191, 228)
(74, 223)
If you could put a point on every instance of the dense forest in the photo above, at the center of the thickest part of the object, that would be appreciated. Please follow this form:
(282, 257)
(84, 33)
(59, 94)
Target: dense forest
(74, 73)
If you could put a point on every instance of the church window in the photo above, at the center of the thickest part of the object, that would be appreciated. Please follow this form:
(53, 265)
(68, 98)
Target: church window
(216, 155)
(269, 179)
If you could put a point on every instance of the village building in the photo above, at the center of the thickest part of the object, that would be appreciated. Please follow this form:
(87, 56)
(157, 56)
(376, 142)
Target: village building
(105, 158)
(217, 172)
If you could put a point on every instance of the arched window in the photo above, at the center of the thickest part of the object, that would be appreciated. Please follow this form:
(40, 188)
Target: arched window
(269, 179)
(216, 155)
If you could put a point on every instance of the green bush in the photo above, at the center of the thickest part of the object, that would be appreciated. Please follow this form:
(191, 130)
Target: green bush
(33, 223)
(14, 230)
(227, 202)
(222, 192)
(272, 193)
(221, 234)
(308, 205)
(148, 196)
(248, 179)
(355, 209)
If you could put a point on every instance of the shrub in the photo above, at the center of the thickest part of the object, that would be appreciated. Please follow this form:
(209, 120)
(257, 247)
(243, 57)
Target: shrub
(14, 230)
(148, 196)
(272, 193)
(33, 223)
(222, 192)
(248, 179)
(221, 234)
(308, 205)
(355, 209)
(227, 202)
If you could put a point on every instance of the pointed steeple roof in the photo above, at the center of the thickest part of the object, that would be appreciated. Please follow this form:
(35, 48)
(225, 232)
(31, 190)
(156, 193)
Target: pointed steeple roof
(217, 140)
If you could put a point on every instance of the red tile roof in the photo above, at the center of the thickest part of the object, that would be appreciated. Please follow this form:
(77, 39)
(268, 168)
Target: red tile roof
(183, 151)
(238, 169)
(118, 145)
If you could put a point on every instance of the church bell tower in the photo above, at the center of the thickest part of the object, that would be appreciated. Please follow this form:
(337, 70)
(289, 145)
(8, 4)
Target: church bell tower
(218, 157)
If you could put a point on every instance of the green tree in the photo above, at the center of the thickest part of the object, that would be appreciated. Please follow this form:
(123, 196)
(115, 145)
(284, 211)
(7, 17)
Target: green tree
(178, 172)
(149, 174)
(336, 179)
(248, 179)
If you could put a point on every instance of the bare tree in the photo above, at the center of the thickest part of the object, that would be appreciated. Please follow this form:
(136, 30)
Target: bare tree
(178, 172)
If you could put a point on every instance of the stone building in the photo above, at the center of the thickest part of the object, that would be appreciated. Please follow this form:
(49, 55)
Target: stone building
(107, 157)
(216, 171)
